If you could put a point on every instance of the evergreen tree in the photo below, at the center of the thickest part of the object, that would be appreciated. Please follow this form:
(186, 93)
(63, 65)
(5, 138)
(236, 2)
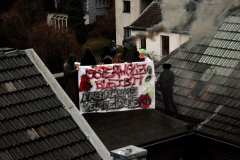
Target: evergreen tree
(76, 19)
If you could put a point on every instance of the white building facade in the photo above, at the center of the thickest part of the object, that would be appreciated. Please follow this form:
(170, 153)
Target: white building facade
(127, 12)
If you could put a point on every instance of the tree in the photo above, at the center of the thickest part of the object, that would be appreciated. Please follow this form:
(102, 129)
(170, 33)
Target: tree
(106, 26)
(76, 19)
(25, 27)
(5, 5)
(18, 21)
(52, 46)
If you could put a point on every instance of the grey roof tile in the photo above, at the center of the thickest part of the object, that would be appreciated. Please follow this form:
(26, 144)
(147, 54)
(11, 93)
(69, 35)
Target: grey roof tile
(33, 121)
(221, 54)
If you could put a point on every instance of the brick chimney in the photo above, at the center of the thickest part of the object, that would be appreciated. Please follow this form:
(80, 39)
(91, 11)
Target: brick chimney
(129, 153)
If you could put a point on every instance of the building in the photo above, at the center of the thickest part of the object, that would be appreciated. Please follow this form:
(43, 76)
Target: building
(136, 17)
(37, 118)
(94, 9)
(207, 95)
(207, 84)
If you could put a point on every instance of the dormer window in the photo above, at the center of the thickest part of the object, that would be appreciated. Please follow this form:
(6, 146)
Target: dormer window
(126, 7)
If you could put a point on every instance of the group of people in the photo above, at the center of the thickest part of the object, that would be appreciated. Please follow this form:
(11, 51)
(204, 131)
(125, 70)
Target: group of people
(108, 56)
(165, 82)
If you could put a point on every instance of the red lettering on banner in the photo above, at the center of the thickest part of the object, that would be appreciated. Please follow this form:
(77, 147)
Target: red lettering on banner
(106, 74)
(118, 70)
(90, 73)
(142, 68)
(127, 82)
(100, 84)
(132, 71)
(129, 67)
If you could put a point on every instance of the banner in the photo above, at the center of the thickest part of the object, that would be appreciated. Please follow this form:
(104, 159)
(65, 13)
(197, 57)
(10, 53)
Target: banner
(116, 87)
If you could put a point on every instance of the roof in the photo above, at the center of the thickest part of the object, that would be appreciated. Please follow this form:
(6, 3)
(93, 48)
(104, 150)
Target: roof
(152, 15)
(207, 81)
(35, 120)
(135, 127)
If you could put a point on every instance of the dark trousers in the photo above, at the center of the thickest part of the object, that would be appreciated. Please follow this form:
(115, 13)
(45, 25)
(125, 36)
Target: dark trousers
(168, 98)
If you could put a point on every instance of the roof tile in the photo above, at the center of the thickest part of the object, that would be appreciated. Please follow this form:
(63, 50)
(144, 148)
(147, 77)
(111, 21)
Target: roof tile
(217, 99)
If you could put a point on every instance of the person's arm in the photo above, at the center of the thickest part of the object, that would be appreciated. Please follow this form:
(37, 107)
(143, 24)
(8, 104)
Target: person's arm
(68, 72)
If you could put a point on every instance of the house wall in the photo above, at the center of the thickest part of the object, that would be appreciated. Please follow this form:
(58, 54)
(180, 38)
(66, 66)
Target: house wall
(155, 45)
(125, 19)
(93, 11)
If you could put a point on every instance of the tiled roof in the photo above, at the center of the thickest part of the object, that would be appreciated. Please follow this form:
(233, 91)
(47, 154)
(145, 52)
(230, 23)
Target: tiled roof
(207, 81)
(136, 127)
(34, 124)
(151, 16)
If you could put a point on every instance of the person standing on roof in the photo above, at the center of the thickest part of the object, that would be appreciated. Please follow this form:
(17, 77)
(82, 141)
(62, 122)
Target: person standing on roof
(136, 57)
(105, 55)
(70, 78)
(119, 58)
(88, 58)
(165, 85)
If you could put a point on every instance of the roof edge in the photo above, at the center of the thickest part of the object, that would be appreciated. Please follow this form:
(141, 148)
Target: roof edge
(137, 28)
(215, 139)
(144, 11)
(69, 105)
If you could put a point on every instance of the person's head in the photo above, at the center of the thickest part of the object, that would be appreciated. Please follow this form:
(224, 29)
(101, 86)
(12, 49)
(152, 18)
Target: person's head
(88, 51)
(72, 59)
(107, 61)
(113, 52)
(105, 51)
(166, 66)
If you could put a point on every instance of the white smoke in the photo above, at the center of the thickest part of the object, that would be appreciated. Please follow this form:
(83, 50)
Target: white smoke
(174, 14)
(208, 17)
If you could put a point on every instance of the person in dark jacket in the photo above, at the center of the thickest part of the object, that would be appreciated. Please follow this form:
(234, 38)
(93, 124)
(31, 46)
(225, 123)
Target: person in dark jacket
(88, 58)
(70, 78)
(106, 55)
(136, 57)
(165, 85)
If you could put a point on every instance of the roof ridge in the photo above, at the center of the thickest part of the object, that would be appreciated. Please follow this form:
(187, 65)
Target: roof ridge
(10, 53)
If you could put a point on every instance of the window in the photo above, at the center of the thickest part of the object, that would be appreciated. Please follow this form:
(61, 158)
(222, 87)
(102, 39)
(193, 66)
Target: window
(127, 32)
(165, 45)
(143, 43)
(126, 8)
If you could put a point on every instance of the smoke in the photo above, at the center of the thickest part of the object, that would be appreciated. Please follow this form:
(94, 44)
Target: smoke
(174, 14)
(208, 18)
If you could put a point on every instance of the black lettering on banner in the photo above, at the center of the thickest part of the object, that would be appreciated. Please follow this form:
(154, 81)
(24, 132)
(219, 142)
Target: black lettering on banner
(110, 99)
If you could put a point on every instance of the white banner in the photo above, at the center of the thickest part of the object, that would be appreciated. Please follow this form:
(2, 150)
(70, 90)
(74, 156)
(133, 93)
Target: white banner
(116, 87)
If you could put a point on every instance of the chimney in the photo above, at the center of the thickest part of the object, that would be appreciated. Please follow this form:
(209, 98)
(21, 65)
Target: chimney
(129, 153)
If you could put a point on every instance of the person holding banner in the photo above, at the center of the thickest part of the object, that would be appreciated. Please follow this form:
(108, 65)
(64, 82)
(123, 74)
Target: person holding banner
(70, 78)
(88, 58)
(165, 85)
